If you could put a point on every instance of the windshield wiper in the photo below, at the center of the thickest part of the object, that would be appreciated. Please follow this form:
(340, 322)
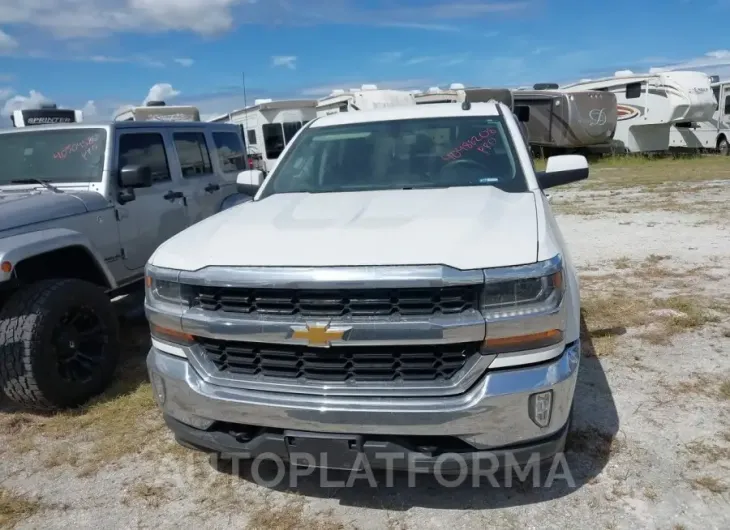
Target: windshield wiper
(43, 183)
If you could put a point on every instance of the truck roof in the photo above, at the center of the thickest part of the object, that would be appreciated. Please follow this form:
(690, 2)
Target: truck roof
(406, 112)
(118, 125)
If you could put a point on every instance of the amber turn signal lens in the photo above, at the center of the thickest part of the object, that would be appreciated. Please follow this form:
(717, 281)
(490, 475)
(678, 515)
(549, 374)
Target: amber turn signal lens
(171, 335)
(531, 341)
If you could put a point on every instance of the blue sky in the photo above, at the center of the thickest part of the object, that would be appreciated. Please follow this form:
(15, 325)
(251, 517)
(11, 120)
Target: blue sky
(101, 55)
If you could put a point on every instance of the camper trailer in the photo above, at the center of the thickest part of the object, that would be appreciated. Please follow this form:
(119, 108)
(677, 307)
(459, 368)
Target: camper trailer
(47, 114)
(159, 111)
(458, 93)
(648, 105)
(269, 126)
(367, 97)
(558, 121)
(711, 134)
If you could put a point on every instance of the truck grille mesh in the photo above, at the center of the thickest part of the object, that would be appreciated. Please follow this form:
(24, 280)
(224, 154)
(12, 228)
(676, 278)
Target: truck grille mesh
(338, 303)
(339, 364)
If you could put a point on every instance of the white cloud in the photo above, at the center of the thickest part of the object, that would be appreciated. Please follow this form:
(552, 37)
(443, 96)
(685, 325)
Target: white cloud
(403, 84)
(716, 62)
(33, 100)
(161, 92)
(83, 18)
(286, 61)
(7, 43)
(183, 61)
(6, 93)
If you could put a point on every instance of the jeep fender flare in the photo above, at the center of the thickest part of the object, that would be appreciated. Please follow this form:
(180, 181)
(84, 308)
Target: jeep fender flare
(15, 249)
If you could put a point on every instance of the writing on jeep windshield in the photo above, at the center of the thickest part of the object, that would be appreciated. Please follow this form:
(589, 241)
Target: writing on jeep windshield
(59, 155)
(401, 154)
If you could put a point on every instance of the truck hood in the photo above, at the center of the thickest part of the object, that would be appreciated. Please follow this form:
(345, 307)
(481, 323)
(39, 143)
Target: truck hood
(465, 228)
(21, 208)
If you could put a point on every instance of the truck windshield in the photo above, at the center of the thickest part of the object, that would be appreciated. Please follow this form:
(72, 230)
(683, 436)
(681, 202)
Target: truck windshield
(56, 155)
(400, 154)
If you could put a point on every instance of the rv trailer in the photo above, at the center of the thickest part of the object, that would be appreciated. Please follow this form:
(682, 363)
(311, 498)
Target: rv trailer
(458, 93)
(557, 120)
(47, 114)
(159, 111)
(367, 97)
(648, 105)
(268, 127)
(711, 134)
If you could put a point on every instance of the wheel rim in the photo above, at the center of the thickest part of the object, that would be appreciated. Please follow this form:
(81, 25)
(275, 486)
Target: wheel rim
(80, 339)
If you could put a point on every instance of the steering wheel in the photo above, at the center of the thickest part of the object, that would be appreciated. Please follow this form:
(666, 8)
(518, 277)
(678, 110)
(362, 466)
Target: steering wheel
(443, 174)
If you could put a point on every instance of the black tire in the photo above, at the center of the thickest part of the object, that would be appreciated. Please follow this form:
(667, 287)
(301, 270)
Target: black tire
(723, 146)
(36, 369)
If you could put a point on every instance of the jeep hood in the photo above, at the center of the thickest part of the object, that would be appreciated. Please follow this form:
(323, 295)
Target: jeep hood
(19, 209)
(466, 228)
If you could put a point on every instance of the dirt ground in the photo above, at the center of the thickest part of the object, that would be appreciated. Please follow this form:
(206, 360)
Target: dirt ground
(650, 445)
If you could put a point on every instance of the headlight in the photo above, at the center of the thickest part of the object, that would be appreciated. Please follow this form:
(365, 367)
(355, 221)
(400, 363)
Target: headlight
(522, 297)
(161, 286)
(523, 307)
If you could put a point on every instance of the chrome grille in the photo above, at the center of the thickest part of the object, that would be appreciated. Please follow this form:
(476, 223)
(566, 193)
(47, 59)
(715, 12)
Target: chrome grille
(341, 363)
(338, 302)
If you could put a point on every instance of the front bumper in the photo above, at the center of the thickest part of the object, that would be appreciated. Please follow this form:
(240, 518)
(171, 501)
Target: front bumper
(492, 415)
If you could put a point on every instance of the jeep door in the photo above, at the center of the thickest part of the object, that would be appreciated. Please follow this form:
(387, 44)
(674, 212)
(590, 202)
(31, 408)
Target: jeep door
(157, 212)
(203, 187)
(229, 158)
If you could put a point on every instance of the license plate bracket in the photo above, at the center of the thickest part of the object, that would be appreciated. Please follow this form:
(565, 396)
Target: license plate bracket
(332, 451)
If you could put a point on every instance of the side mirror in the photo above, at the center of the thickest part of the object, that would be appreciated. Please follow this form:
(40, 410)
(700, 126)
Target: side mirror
(563, 169)
(249, 181)
(522, 112)
(135, 177)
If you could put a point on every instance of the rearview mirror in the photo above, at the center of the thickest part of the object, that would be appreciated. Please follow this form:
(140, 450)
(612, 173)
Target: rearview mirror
(133, 176)
(563, 169)
(249, 181)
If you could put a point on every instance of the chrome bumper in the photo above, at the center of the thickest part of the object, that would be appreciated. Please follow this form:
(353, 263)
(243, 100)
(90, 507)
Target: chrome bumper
(493, 413)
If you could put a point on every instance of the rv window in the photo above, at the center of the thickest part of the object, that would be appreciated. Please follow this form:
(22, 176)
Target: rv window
(727, 105)
(273, 140)
(230, 151)
(716, 92)
(633, 90)
(193, 154)
(251, 136)
(145, 149)
(290, 129)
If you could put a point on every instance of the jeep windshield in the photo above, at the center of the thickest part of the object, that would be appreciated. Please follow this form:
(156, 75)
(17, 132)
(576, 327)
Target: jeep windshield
(52, 155)
(400, 154)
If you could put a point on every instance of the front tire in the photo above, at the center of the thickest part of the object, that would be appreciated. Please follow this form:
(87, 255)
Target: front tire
(723, 146)
(59, 344)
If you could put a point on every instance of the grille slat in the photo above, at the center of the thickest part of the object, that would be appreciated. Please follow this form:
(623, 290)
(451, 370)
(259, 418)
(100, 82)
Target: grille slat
(338, 302)
(339, 364)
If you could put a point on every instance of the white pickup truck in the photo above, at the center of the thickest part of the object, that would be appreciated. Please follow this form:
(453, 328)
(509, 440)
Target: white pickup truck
(398, 289)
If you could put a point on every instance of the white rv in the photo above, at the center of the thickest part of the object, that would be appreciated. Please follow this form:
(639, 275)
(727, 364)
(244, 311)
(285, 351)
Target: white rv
(269, 126)
(711, 134)
(159, 111)
(367, 97)
(648, 105)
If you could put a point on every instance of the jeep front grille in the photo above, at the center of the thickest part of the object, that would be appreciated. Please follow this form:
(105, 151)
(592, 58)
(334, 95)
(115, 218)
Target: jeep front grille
(338, 303)
(341, 363)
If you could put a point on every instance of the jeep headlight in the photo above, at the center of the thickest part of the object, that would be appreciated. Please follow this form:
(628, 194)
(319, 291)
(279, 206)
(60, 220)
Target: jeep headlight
(522, 306)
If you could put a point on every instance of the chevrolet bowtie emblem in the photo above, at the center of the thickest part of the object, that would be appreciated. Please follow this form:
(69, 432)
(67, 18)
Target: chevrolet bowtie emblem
(320, 335)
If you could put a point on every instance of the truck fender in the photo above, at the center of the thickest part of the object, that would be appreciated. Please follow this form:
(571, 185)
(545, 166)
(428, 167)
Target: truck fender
(233, 200)
(15, 249)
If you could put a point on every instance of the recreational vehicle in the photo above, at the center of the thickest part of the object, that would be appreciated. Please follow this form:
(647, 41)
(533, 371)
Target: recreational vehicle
(269, 126)
(648, 105)
(458, 93)
(368, 97)
(558, 121)
(47, 114)
(159, 111)
(711, 134)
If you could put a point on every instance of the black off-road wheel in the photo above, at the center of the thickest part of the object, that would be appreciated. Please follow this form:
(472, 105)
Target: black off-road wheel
(59, 344)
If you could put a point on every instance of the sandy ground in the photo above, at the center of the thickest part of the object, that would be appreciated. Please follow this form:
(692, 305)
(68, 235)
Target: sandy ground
(650, 443)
